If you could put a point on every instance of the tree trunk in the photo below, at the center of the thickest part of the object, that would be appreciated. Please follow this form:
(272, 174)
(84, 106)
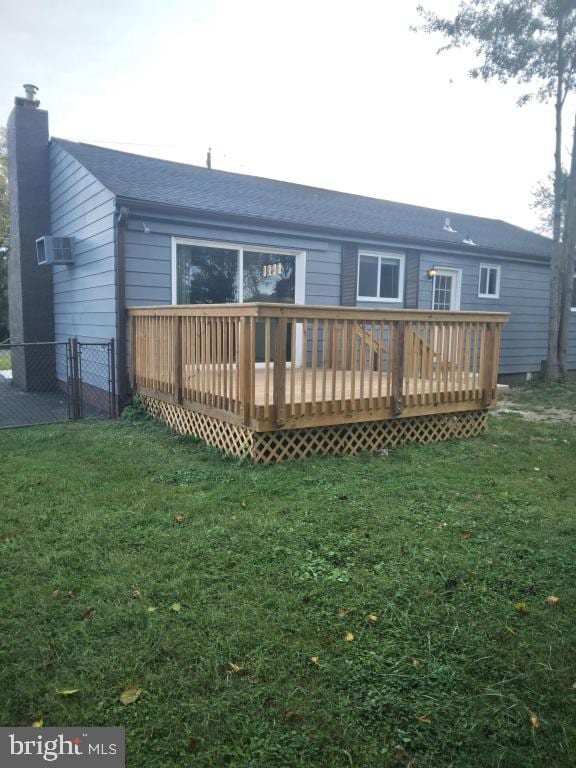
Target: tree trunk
(567, 265)
(552, 371)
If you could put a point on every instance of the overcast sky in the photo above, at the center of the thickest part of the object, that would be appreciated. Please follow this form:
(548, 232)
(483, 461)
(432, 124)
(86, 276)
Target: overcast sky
(323, 92)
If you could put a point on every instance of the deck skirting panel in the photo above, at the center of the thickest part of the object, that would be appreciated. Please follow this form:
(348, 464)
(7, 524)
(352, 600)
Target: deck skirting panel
(280, 445)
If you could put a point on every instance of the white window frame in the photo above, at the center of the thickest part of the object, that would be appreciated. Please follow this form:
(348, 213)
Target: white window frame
(300, 262)
(498, 269)
(299, 285)
(401, 257)
(572, 307)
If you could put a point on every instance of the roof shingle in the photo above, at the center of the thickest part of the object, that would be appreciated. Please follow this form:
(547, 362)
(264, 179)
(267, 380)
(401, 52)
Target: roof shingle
(151, 180)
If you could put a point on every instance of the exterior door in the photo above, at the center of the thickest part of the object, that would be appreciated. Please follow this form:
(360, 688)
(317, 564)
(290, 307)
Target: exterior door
(446, 289)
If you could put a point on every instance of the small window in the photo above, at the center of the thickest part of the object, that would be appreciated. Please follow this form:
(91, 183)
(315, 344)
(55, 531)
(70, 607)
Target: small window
(489, 285)
(574, 293)
(380, 276)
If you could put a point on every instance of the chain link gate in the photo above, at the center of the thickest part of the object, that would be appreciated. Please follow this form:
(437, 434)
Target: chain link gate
(43, 382)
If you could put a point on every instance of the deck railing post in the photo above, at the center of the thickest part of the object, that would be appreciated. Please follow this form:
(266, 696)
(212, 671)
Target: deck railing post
(488, 364)
(279, 379)
(398, 336)
(246, 368)
(177, 361)
(132, 333)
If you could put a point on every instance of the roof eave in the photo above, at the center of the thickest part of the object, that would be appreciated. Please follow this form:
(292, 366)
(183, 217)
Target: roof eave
(338, 232)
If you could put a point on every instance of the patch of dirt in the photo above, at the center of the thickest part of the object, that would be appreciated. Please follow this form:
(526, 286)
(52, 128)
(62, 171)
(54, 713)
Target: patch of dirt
(508, 407)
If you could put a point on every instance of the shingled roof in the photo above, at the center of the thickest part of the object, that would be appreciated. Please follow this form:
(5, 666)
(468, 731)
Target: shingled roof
(150, 180)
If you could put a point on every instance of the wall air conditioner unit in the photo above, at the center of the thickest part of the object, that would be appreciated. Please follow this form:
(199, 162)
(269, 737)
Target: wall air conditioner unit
(54, 250)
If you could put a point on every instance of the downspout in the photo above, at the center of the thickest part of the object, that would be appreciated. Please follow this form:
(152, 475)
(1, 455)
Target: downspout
(121, 318)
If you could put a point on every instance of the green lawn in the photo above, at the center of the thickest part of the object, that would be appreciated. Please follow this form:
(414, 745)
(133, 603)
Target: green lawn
(538, 396)
(233, 619)
(5, 360)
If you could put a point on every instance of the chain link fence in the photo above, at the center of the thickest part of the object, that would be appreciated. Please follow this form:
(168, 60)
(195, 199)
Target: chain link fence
(43, 382)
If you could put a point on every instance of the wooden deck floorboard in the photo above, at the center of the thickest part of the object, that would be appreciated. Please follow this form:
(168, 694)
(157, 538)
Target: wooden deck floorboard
(334, 387)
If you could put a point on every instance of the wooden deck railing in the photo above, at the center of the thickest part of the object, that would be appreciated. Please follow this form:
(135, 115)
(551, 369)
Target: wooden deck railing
(272, 366)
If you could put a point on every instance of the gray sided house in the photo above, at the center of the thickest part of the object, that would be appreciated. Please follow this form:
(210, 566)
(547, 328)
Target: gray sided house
(147, 231)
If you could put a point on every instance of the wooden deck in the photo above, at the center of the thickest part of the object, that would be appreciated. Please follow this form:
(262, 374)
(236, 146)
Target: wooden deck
(331, 392)
(270, 368)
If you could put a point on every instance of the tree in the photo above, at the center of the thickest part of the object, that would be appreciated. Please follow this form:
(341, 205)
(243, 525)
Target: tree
(543, 202)
(568, 249)
(532, 42)
(4, 237)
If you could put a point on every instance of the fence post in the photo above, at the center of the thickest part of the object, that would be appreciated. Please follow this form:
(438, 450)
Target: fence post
(397, 367)
(177, 372)
(112, 369)
(75, 383)
(279, 380)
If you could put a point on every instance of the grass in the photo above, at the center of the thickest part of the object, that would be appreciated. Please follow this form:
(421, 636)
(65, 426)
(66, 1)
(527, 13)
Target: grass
(219, 616)
(538, 396)
(5, 360)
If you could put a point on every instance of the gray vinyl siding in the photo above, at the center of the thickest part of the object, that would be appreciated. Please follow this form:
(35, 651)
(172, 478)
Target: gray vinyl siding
(524, 290)
(149, 257)
(412, 279)
(85, 292)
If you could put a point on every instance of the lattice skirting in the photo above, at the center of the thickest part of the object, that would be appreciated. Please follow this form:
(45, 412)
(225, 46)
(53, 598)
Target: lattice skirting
(265, 447)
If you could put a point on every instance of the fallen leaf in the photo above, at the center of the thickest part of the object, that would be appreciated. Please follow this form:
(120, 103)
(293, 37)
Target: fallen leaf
(233, 517)
(176, 607)
(552, 600)
(521, 608)
(291, 714)
(179, 518)
(67, 691)
(534, 719)
(415, 663)
(315, 659)
(136, 594)
(373, 618)
(55, 594)
(243, 504)
(440, 524)
(71, 595)
(465, 534)
(235, 667)
(151, 608)
(536, 469)
(348, 636)
(89, 613)
(130, 694)
(345, 611)
(38, 723)
(511, 631)
(425, 719)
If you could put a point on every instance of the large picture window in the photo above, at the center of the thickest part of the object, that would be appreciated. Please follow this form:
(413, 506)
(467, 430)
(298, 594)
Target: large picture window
(380, 276)
(220, 273)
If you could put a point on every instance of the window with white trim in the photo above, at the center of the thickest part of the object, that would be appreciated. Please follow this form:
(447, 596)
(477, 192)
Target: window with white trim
(573, 303)
(380, 276)
(207, 272)
(489, 281)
